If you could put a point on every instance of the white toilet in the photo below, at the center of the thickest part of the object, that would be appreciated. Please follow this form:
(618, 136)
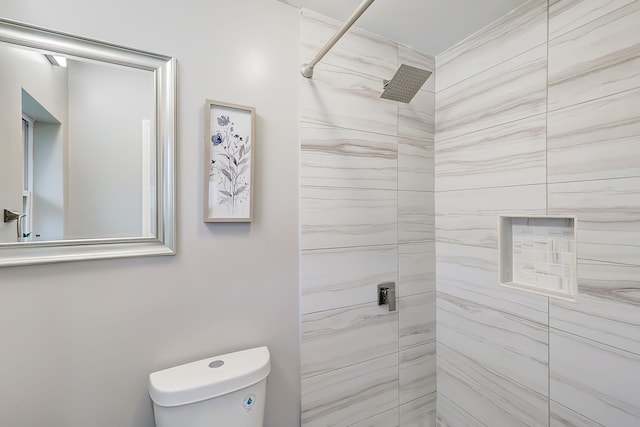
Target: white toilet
(221, 391)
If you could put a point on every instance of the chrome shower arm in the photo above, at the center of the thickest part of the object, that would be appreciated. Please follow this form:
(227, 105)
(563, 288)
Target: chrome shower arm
(307, 69)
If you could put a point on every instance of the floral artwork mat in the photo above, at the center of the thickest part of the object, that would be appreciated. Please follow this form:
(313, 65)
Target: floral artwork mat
(230, 139)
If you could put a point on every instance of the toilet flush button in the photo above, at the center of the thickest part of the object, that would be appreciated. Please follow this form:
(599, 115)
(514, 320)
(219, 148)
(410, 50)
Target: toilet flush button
(216, 364)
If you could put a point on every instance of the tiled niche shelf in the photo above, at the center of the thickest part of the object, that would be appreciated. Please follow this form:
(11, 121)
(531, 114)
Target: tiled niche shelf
(538, 254)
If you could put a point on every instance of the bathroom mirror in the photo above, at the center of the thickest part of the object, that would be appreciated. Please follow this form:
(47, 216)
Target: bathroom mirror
(87, 133)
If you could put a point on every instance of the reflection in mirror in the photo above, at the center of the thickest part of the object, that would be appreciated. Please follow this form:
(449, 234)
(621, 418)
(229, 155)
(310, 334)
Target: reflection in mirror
(87, 133)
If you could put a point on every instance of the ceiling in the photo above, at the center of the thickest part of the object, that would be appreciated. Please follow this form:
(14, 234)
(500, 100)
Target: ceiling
(430, 26)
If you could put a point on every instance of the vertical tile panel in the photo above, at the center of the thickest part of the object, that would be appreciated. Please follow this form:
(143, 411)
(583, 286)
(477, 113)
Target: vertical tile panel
(345, 98)
(517, 32)
(510, 91)
(346, 158)
(337, 278)
(352, 394)
(606, 320)
(338, 338)
(506, 345)
(415, 216)
(415, 164)
(417, 372)
(386, 419)
(565, 417)
(567, 15)
(335, 217)
(417, 316)
(508, 154)
(595, 140)
(470, 217)
(419, 413)
(416, 268)
(451, 415)
(595, 60)
(471, 273)
(415, 119)
(595, 380)
(491, 398)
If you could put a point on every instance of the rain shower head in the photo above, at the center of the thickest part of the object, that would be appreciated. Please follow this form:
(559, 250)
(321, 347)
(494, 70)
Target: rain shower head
(405, 83)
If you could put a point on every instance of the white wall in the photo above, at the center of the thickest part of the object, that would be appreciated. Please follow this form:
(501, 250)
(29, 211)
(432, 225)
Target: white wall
(107, 105)
(48, 182)
(79, 339)
(22, 69)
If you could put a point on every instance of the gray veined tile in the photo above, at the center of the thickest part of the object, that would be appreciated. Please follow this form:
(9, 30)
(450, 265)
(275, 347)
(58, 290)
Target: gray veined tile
(416, 268)
(410, 56)
(513, 153)
(451, 415)
(338, 157)
(338, 338)
(517, 32)
(336, 278)
(487, 396)
(420, 412)
(471, 273)
(608, 214)
(341, 217)
(595, 140)
(417, 372)
(507, 345)
(567, 15)
(358, 49)
(470, 217)
(513, 90)
(565, 417)
(386, 419)
(597, 59)
(415, 164)
(598, 381)
(344, 98)
(607, 307)
(417, 317)
(415, 216)
(416, 119)
(350, 395)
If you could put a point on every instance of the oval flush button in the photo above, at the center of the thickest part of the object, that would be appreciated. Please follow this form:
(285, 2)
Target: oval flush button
(216, 364)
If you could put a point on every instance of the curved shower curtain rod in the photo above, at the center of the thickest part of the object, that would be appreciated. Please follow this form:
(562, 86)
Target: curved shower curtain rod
(307, 69)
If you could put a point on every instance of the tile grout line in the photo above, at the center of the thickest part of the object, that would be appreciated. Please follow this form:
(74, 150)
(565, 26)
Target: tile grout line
(397, 296)
(591, 340)
(546, 178)
(487, 69)
(493, 187)
(337, 127)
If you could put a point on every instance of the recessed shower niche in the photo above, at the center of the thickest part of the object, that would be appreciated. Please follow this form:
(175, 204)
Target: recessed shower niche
(538, 254)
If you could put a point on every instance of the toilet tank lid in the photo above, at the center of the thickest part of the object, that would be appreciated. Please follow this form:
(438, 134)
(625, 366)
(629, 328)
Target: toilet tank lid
(209, 378)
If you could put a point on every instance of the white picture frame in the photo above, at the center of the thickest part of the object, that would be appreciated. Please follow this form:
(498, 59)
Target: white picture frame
(229, 162)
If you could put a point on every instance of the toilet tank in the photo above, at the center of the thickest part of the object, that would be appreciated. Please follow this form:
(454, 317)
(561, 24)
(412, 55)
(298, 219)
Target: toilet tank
(220, 391)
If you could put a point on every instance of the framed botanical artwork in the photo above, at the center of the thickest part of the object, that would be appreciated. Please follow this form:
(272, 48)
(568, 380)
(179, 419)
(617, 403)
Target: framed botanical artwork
(230, 145)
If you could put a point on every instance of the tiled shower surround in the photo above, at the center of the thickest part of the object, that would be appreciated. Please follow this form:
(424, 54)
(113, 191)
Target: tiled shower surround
(366, 202)
(537, 114)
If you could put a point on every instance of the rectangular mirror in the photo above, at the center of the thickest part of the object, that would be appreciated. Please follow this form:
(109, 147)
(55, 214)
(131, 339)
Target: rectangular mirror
(87, 133)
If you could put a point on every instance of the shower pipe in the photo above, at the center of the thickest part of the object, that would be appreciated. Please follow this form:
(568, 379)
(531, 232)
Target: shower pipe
(307, 69)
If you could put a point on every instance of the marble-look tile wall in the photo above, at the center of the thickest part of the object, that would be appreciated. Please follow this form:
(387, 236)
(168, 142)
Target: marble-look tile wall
(367, 216)
(537, 114)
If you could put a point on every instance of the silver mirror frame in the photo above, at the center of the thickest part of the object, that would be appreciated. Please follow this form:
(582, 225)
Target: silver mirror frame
(164, 69)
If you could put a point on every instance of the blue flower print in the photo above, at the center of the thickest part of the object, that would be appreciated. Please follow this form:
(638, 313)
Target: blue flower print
(223, 120)
(217, 139)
